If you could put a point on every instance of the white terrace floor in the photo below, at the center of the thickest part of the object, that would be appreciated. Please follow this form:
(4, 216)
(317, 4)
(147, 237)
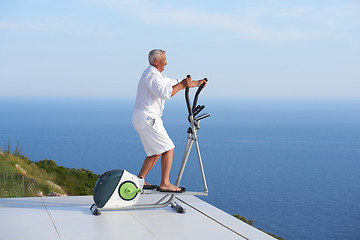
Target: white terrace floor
(70, 218)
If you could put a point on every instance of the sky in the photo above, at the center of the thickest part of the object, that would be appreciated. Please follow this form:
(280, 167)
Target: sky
(269, 49)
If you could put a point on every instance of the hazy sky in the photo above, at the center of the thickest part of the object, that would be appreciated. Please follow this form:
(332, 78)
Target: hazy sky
(247, 49)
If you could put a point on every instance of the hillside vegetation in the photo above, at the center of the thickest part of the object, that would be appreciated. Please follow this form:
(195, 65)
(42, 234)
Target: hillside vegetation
(20, 177)
(251, 222)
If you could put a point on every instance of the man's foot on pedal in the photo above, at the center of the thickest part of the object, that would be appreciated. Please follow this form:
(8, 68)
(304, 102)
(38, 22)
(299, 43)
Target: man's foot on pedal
(171, 189)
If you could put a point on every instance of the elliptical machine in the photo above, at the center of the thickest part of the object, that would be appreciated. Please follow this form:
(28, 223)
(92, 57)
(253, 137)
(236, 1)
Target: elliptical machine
(120, 190)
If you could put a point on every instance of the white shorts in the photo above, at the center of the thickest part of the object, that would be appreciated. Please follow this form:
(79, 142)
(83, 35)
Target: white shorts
(153, 135)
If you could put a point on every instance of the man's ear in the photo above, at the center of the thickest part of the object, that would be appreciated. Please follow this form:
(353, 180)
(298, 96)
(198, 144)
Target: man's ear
(155, 62)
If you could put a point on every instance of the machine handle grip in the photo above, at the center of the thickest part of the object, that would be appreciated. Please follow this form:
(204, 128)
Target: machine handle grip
(197, 94)
(187, 98)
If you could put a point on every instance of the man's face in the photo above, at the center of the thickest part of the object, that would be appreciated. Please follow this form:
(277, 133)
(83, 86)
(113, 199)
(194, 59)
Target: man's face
(161, 62)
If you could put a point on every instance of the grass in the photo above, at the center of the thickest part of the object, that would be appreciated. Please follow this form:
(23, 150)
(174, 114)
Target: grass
(25, 180)
(20, 177)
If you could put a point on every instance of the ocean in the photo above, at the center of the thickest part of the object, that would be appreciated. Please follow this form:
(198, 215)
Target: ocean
(291, 166)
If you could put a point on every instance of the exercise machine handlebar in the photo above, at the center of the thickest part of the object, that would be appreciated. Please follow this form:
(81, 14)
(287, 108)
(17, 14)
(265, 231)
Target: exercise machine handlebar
(194, 110)
(197, 95)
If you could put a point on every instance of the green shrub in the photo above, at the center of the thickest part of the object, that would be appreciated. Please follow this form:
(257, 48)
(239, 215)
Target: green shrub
(251, 222)
(73, 181)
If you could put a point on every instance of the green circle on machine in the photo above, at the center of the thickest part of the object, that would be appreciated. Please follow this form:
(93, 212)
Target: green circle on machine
(128, 190)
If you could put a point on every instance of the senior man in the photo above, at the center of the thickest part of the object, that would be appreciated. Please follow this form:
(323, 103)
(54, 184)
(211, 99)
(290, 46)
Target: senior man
(152, 91)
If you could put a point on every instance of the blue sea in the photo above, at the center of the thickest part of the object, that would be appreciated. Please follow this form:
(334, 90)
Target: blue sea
(291, 166)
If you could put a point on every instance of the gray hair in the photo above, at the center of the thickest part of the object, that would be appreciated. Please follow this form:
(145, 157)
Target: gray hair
(155, 54)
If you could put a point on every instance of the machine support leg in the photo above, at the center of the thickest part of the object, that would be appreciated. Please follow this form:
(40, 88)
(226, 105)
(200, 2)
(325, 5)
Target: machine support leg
(201, 165)
(188, 146)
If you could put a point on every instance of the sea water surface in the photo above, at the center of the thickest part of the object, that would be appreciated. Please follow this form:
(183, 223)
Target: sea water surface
(291, 166)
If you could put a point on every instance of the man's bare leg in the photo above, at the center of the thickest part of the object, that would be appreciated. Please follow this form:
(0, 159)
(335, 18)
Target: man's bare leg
(148, 164)
(166, 163)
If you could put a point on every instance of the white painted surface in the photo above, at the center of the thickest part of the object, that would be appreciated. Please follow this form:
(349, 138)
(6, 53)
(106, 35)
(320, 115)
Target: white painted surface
(68, 218)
